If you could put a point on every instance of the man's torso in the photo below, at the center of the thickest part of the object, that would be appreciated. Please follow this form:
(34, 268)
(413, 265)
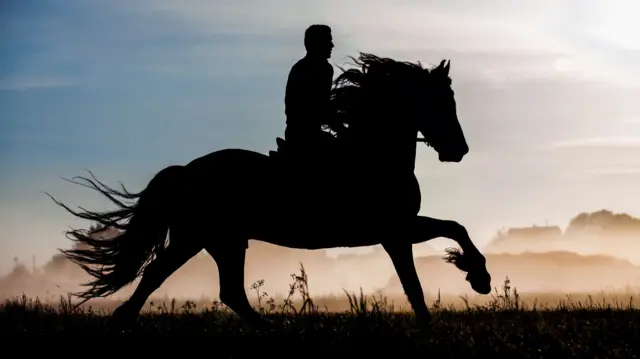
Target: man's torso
(307, 93)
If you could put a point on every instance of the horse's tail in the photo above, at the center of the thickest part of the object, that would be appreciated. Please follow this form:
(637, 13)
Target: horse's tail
(141, 222)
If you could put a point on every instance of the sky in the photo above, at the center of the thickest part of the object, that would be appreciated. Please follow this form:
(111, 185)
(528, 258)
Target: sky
(547, 95)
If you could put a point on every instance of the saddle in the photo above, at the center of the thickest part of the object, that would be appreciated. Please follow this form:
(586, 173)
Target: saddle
(321, 166)
(310, 177)
(281, 150)
(287, 155)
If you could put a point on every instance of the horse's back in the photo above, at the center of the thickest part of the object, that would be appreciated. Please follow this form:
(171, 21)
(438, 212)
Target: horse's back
(233, 154)
(237, 178)
(229, 167)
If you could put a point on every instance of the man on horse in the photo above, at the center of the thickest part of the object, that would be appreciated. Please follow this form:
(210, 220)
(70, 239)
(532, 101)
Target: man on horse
(308, 92)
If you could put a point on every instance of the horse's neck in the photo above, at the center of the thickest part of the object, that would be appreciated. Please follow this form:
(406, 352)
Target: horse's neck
(389, 149)
(405, 151)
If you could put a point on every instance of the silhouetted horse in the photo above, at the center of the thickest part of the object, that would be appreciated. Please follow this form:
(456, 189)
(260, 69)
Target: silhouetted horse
(364, 193)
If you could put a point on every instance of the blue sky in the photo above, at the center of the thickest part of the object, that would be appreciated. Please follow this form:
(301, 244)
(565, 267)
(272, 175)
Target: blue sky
(547, 95)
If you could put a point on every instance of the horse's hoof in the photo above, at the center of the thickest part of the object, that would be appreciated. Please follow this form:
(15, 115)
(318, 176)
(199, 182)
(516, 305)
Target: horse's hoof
(260, 323)
(120, 325)
(122, 319)
(425, 324)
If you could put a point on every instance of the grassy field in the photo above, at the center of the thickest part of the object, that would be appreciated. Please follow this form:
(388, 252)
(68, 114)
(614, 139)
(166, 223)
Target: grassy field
(505, 325)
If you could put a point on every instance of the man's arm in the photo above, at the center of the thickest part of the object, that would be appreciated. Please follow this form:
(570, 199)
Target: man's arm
(328, 114)
(329, 78)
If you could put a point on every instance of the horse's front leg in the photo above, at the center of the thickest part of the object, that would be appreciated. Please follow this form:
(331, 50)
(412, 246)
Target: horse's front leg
(427, 228)
(401, 254)
(470, 260)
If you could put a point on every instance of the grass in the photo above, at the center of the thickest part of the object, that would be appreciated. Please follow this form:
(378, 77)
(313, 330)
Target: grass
(505, 325)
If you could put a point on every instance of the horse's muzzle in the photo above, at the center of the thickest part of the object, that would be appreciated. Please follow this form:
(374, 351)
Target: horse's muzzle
(450, 158)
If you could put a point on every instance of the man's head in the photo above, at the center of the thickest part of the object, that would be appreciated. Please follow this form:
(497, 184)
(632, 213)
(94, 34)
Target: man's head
(318, 41)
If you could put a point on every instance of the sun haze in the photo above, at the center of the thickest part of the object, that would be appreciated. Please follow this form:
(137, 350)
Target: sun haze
(546, 91)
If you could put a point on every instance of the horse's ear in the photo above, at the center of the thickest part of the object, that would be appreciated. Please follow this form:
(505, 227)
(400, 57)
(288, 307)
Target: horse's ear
(441, 66)
(447, 66)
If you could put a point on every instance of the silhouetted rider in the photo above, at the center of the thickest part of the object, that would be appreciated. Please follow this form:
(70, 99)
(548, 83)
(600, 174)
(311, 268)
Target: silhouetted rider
(308, 92)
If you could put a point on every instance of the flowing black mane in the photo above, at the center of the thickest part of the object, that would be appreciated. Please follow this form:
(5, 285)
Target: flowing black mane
(372, 75)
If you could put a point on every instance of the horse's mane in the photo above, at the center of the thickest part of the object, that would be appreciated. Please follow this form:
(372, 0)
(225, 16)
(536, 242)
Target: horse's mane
(370, 73)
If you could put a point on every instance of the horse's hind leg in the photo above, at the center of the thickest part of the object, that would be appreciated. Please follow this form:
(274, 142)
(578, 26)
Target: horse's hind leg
(402, 257)
(177, 253)
(230, 259)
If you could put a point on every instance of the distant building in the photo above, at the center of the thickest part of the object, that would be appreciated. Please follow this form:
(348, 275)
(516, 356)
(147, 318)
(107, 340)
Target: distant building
(515, 238)
(535, 232)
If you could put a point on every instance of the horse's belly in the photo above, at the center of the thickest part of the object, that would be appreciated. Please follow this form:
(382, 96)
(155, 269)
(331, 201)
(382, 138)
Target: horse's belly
(329, 231)
(313, 241)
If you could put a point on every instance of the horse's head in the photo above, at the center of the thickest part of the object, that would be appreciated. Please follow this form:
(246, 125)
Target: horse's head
(439, 120)
(474, 265)
(385, 97)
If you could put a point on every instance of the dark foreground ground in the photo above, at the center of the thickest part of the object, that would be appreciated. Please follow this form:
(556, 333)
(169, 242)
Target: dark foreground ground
(368, 329)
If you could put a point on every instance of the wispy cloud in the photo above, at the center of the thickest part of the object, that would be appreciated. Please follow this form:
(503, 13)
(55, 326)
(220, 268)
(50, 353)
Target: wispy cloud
(22, 82)
(460, 26)
(613, 141)
(212, 73)
(374, 23)
(614, 171)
